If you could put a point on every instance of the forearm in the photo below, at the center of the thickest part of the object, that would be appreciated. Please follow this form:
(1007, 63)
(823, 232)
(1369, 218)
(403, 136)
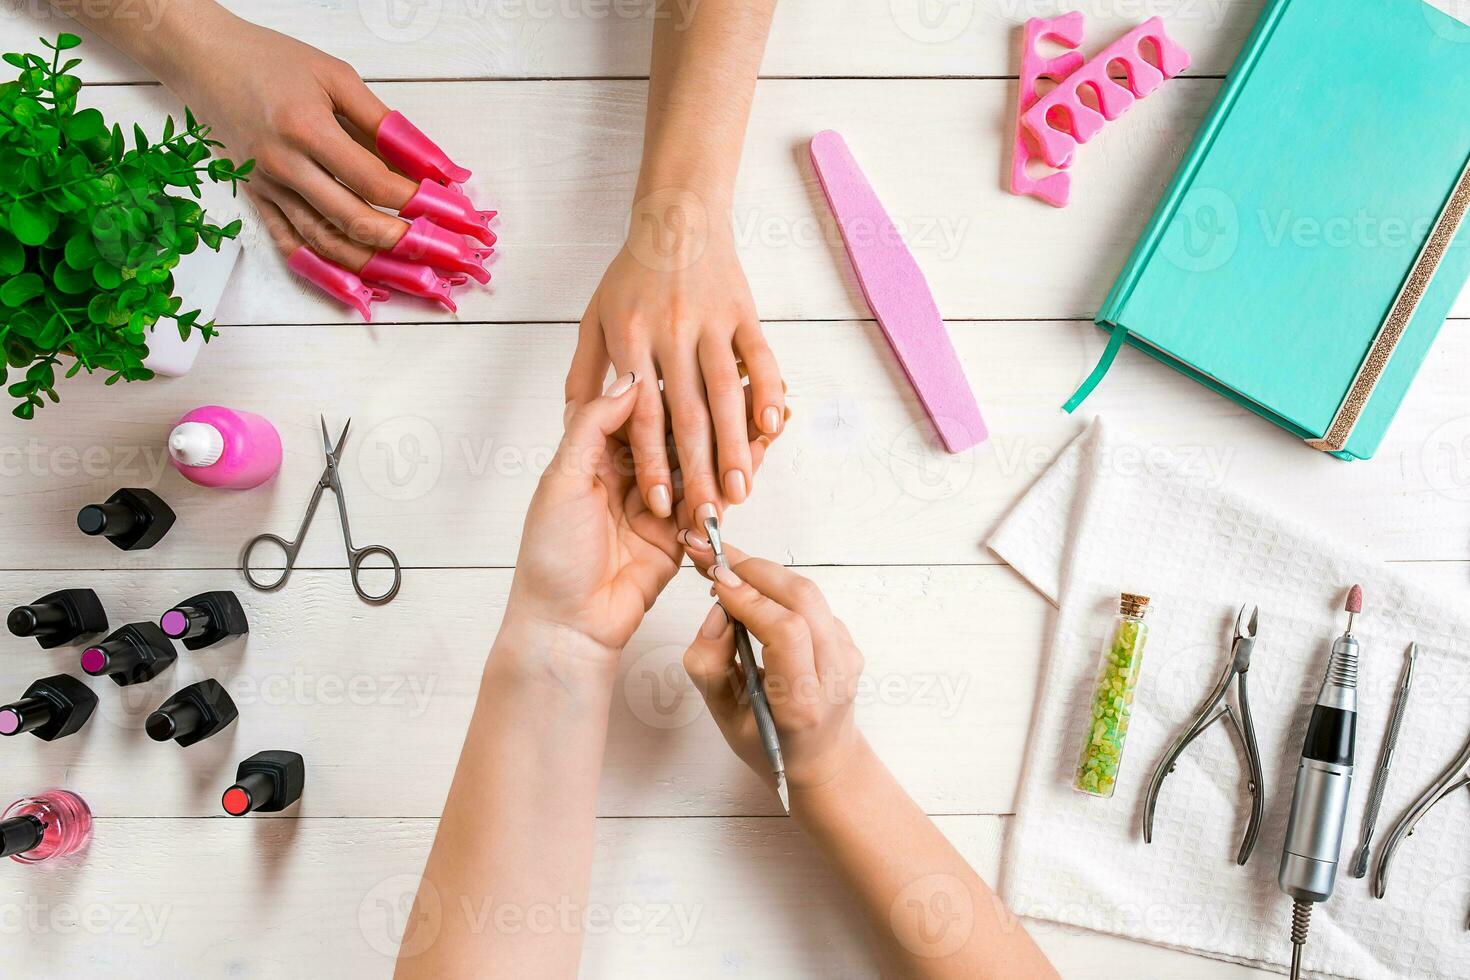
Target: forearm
(162, 36)
(510, 865)
(931, 914)
(706, 57)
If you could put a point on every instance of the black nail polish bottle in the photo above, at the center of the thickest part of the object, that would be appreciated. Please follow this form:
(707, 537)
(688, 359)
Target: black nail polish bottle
(195, 713)
(51, 708)
(205, 619)
(135, 653)
(59, 618)
(267, 782)
(132, 519)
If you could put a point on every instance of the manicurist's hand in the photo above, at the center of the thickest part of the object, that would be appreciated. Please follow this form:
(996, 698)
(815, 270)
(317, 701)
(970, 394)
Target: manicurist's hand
(930, 914)
(593, 556)
(305, 117)
(811, 668)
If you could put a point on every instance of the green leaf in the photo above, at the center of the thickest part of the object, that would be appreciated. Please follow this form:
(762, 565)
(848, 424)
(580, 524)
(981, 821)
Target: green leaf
(73, 281)
(65, 42)
(29, 223)
(20, 290)
(88, 124)
(12, 254)
(107, 275)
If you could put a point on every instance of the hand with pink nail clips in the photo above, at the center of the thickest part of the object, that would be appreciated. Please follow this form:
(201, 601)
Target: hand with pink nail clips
(674, 305)
(331, 158)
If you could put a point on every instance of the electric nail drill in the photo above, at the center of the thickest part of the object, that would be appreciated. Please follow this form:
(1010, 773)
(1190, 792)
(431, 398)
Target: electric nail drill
(1324, 781)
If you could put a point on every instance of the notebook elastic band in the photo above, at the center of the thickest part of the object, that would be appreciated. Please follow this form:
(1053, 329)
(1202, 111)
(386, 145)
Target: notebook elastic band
(1400, 314)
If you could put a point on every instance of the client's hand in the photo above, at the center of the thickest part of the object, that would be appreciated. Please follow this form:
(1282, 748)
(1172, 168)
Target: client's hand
(593, 557)
(811, 669)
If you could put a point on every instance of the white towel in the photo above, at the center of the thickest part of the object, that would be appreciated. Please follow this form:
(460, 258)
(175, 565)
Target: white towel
(1107, 518)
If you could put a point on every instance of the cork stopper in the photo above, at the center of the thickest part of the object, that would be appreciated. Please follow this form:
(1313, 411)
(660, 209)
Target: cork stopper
(1132, 604)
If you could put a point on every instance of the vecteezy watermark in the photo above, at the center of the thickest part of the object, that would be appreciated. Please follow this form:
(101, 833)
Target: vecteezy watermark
(1204, 232)
(141, 465)
(932, 21)
(393, 926)
(1210, 12)
(1207, 923)
(401, 21)
(1445, 459)
(939, 235)
(33, 917)
(669, 229)
(933, 916)
(921, 467)
(658, 690)
(148, 12)
(1204, 466)
(402, 458)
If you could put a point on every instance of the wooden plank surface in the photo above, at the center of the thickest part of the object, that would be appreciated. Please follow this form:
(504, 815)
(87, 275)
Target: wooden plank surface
(454, 39)
(453, 425)
(329, 899)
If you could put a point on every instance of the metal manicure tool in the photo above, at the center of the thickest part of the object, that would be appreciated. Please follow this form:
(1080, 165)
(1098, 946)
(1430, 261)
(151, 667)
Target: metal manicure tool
(1385, 761)
(755, 688)
(1238, 717)
(1455, 777)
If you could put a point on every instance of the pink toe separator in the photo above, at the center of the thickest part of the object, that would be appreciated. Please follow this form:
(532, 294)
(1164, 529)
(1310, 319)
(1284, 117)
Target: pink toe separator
(413, 279)
(341, 284)
(449, 207)
(406, 147)
(428, 244)
(1113, 97)
(1067, 30)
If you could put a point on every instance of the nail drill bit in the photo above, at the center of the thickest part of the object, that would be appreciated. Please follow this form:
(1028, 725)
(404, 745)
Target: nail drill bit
(1385, 761)
(755, 688)
(1323, 782)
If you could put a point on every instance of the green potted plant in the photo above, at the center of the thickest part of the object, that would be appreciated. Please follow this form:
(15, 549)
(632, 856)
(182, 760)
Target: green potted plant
(91, 228)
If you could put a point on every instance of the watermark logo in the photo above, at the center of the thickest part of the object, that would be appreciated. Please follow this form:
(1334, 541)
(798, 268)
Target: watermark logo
(923, 469)
(389, 921)
(934, 916)
(1445, 458)
(669, 230)
(402, 458)
(932, 21)
(401, 21)
(1204, 232)
(659, 692)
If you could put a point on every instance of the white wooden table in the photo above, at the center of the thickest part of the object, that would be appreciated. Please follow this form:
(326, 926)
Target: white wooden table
(453, 419)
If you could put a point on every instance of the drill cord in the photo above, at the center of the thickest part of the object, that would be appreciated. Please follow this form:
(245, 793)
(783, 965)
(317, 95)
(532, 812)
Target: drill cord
(1301, 920)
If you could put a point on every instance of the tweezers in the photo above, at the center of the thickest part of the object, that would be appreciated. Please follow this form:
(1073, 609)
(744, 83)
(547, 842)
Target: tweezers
(1239, 717)
(1455, 777)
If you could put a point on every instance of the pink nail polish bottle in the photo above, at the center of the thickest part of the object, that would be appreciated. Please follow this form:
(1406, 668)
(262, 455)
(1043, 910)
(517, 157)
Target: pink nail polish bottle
(215, 446)
(48, 825)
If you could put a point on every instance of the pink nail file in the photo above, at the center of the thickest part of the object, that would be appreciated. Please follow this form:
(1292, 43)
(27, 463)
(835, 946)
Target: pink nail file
(341, 284)
(1113, 97)
(406, 147)
(895, 289)
(449, 207)
(1056, 188)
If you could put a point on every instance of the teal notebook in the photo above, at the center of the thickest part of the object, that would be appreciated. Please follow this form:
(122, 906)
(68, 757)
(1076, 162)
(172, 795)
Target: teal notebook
(1305, 253)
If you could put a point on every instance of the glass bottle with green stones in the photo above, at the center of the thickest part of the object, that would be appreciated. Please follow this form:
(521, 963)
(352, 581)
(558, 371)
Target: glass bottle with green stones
(1112, 699)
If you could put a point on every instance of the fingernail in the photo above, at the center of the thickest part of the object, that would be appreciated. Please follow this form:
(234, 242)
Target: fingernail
(735, 486)
(726, 577)
(691, 540)
(660, 501)
(771, 420)
(621, 385)
(714, 623)
(704, 512)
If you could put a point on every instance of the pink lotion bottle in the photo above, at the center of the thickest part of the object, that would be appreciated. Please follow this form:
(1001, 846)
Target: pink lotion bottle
(221, 447)
(45, 826)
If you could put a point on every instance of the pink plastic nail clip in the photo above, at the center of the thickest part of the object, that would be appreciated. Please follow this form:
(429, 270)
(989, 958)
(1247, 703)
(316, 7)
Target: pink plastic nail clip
(337, 282)
(1056, 188)
(449, 207)
(1112, 96)
(406, 147)
(428, 244)
(413, 279)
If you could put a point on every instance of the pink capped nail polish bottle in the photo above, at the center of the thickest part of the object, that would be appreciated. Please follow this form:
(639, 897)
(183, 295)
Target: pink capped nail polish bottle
(215, 446)
(48, 825)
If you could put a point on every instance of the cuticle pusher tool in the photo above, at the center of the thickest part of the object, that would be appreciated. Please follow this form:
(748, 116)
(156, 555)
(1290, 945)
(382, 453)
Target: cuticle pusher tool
(1238, 718)
(755, 688)
(1385, 762)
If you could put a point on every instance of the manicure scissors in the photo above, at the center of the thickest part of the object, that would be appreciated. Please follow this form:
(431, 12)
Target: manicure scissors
(1239, 718)
(329, 480)
(1453, 779)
